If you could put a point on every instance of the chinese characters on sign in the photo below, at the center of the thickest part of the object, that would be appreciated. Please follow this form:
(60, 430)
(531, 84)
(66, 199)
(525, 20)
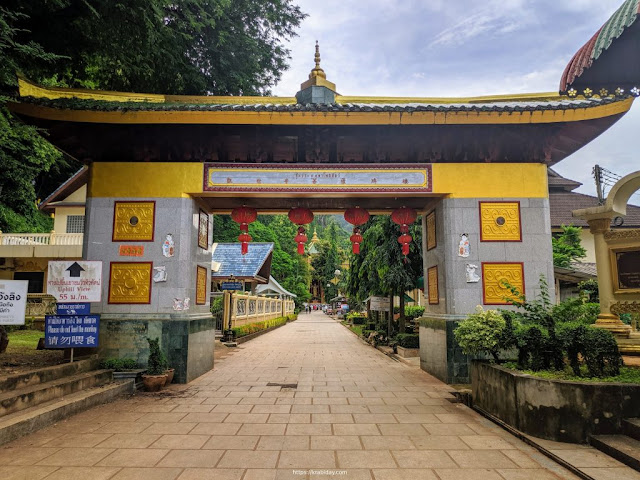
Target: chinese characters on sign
(131, 250)
(323, 178)
(71, 331)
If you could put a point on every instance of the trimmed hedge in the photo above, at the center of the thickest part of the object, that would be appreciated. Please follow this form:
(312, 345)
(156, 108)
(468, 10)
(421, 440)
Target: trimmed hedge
(119, 364)
(408, 340)
(258, 326)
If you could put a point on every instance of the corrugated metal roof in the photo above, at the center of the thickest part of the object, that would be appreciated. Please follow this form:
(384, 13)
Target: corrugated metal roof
(242, 267)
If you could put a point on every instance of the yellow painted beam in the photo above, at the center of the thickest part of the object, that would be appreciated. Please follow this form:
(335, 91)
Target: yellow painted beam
(175, 180)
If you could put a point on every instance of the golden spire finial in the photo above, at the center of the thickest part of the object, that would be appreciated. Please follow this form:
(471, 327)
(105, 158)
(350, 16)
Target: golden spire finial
(315, 236)
(317, 71)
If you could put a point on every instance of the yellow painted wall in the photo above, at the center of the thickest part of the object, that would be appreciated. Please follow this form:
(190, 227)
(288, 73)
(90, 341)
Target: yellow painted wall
(60, 218)
(460, 180)
(588, 243)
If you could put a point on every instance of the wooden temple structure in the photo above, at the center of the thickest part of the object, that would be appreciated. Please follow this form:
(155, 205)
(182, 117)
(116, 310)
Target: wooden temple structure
(474, 167)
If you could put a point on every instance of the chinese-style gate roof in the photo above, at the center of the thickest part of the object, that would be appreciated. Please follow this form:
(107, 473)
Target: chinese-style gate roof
(609, 61)
(319, 125)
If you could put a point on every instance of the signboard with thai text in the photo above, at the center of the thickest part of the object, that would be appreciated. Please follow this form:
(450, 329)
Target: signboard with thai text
(73, 308)
(71, 331)
(75, 281)
(231, 285)
(627, 267)
(327, 178)
(13, 301)
(379, 304)
(131, 250)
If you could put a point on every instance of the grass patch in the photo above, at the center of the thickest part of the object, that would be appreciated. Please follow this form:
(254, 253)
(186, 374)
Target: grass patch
(357, 329)
(627, 374)
(21, 340)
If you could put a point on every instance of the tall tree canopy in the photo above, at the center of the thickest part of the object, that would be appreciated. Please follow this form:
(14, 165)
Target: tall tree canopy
(195, 47)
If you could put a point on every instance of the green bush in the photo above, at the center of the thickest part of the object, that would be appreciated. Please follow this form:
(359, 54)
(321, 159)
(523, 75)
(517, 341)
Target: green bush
(481, 332)
(119, 364)
(413, 312)
(157, 362)
(576, 310)
(250, 328)
(601, 353)
(408, 340)
(358, 320)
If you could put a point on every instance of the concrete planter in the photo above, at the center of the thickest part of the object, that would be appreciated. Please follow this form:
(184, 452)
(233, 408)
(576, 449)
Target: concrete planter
(558, 410)
(408, 352)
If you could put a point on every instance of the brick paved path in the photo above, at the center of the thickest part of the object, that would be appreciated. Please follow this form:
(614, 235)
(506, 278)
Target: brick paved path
(356, 414)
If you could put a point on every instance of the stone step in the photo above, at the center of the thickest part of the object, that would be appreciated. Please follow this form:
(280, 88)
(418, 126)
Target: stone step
(15, 425)
(16, 400)
(631, 427)
(620, 447)
(46, 374)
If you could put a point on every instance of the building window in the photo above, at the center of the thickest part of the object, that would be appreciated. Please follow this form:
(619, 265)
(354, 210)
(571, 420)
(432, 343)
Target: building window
(75, 224)
(36, 280)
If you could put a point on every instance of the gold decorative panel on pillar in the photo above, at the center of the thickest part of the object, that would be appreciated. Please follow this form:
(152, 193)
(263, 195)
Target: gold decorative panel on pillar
(500, 222)
(201, 285)
(133, 221)
(130, 282)
(432, 285)
(494, 276)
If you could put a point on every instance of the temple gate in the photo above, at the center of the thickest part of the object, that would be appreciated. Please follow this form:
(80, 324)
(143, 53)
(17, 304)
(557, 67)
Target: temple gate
(475, 168)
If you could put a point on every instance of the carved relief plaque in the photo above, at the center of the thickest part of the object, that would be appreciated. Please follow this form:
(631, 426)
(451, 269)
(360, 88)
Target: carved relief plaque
(432, 285)
(493, 277)
(201, 285)
(431, 231)
(130, 282)
(500, 222)
(133, 221)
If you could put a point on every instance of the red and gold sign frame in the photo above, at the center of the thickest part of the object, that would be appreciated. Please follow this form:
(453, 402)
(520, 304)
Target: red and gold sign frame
(321, 178)
(433, 292)
(201, 285)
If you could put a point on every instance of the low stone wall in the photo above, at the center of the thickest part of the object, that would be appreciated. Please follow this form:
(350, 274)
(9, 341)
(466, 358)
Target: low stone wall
(440, 354)
(556, 410)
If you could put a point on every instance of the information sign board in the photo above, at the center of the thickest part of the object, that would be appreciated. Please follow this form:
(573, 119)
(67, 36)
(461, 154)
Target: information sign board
(71, 331)
(73, 308)
(75, 281)
(231, 285)
(13, 301)
(379, 304)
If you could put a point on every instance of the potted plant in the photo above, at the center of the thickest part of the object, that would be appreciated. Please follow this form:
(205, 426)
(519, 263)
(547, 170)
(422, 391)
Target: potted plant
(169, 372)
(155, 378)
(124, 369)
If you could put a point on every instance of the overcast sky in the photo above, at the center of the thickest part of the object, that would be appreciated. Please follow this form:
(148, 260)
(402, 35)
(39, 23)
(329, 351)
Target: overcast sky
(434, 48)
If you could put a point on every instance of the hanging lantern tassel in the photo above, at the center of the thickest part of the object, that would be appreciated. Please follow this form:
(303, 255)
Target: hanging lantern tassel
(405, 239)
(301, 239)
(244, 239)
(356, 240)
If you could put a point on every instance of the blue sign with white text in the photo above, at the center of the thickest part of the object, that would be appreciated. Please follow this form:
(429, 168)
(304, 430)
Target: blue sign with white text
(71, 331)
(73, 308)
(231, 285)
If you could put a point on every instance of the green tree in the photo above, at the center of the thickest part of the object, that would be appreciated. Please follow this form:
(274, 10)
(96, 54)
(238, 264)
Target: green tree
(223, 47)
(381, 269)
(567, 247)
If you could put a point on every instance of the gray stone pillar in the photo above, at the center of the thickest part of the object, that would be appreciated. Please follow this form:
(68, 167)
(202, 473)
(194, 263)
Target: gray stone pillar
(512, 240)
(152, 289)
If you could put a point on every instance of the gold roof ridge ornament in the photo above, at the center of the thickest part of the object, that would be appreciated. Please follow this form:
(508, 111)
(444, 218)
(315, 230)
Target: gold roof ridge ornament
(317, 76)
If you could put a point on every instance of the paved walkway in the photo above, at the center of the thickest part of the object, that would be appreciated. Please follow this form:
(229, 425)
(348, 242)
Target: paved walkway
(355, 414)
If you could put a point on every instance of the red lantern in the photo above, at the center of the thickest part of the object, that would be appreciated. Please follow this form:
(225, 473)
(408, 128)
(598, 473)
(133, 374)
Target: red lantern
(301, 239)
(301, 216)
(244, 238)
(356, 240)
(244, 216)
(404, 216)
(405, 239)
(356, 216)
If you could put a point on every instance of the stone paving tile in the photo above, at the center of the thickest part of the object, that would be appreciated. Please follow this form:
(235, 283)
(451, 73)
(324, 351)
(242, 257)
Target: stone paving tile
(355, 414)
(136, 473)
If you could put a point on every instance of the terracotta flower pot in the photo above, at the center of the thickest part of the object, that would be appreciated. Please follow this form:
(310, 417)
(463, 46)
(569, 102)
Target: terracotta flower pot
(169, 373)
(154, 383)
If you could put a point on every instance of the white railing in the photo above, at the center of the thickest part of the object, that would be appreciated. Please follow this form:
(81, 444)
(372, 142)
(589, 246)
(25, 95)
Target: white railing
(37, 239)
(247, 308)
